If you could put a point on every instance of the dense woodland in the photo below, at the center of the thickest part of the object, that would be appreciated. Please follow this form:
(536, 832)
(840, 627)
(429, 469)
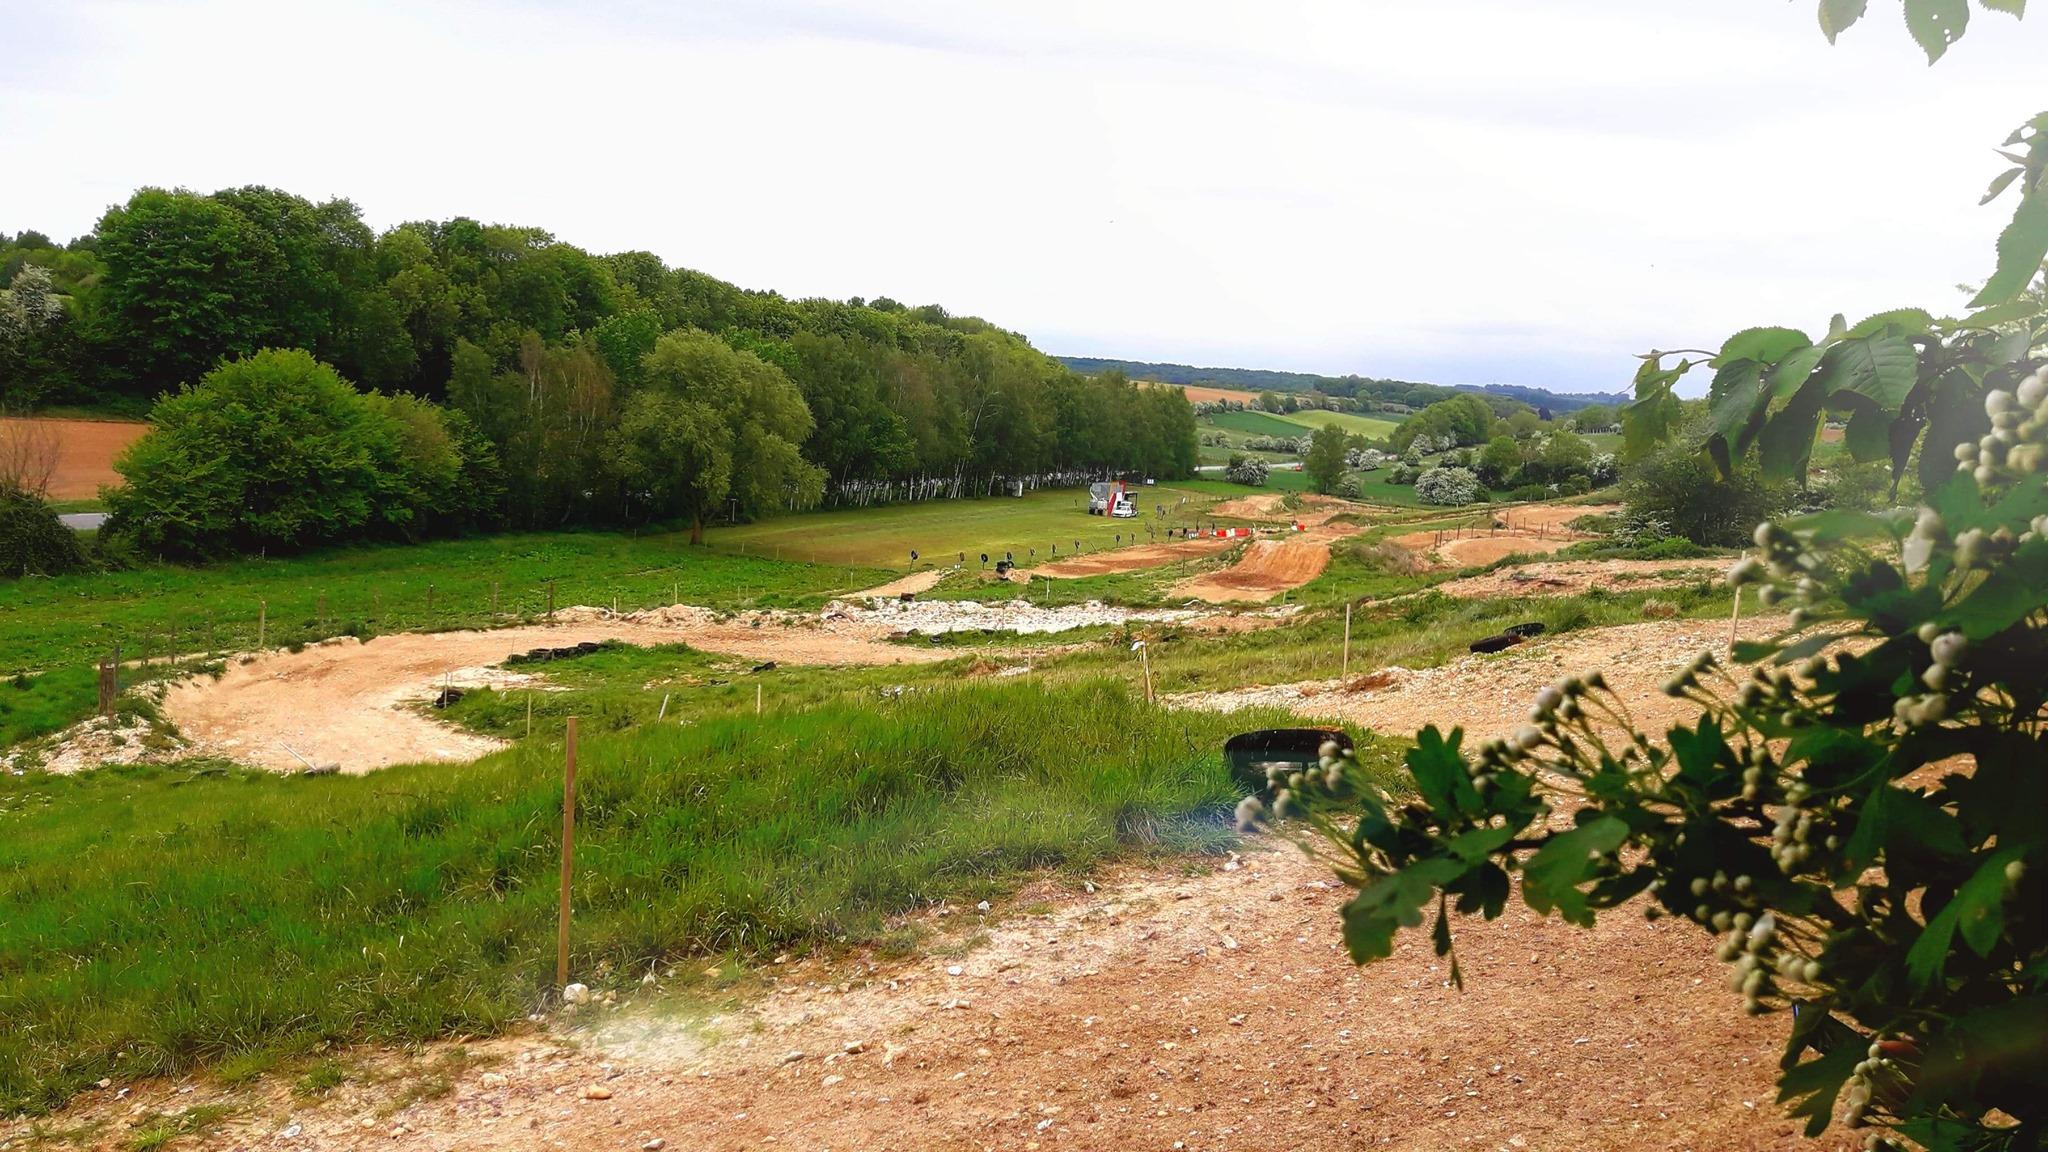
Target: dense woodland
(579, 374)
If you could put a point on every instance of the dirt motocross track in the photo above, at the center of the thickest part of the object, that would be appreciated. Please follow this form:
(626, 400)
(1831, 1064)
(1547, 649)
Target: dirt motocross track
(348, 703)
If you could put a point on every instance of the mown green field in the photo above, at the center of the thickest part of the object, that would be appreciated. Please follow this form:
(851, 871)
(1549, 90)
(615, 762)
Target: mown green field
(942, 530)
(1374, 427)
(160, 919)
(1252, 423)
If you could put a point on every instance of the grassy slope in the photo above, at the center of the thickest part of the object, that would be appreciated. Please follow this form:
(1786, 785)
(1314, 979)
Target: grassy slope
(940, 530)
(158, 919)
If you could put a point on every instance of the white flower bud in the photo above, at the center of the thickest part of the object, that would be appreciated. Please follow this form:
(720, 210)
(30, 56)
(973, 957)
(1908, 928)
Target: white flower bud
(1747, 570)
(1949, 648)
(2033, 391)
(1997, 401)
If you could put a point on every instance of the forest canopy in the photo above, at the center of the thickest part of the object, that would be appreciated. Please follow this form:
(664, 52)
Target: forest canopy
(568, 366)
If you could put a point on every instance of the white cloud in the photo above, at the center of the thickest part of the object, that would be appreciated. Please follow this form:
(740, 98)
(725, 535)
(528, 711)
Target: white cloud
(1487, 190)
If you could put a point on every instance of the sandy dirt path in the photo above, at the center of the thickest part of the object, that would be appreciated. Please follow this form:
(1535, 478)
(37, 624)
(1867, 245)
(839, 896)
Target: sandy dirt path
(1490, 695)
(85, 451)
(349, 703)
(1160, 1011)
(913, 583)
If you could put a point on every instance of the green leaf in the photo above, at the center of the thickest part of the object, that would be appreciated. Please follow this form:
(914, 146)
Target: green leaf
(1793, 370)
(2010, 594)
(2007, 313)
(1998, 184)
(1936, 24)
(1439, 771)
(2017, 8)
(1869, 434)
(1440, 936)
(1911, 319)
(1816, 1083)
(1785, 442)
(1837, 15)
(2021, 248)
(1883, 368)
(1389, 903)
(1551, 876)
(1978, 909)
(1765, 344)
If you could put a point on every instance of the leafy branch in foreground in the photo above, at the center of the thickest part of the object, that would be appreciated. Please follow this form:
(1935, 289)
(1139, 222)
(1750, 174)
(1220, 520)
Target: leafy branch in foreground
(1889, 377)
(1861, 820)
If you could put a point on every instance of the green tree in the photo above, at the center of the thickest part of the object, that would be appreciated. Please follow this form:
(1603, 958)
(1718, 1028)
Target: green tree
(1271, 402)
(184, 275)
(276, 451)
(742, 421)
(1325, 461)
(1499, 462)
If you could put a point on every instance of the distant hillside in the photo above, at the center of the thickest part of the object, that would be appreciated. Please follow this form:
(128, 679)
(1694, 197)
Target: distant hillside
(1407, 392)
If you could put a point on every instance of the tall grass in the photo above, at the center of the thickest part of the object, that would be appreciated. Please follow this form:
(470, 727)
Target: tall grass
(158, 919)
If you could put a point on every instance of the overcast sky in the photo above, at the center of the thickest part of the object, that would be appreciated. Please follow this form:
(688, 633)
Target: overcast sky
(1470, 192)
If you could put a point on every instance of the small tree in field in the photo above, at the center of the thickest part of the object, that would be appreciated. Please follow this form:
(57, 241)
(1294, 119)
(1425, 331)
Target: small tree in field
(1246, 470)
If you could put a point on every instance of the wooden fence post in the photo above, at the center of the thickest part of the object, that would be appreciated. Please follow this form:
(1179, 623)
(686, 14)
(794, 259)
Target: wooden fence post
(568, 857)
(1346, 669)
(551, 600)
(262, 622)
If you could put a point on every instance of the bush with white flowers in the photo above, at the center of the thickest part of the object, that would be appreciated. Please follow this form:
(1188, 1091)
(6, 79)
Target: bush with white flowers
(1454, 487)
(1250, 470)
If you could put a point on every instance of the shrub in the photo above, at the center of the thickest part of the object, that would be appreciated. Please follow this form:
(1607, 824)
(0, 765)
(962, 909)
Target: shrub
(1529, 492)
(32, 540)
(1574, 486)
(1455, 487)
(1602, 469)
(1678, 486)
(277, 451)
(1403, 473)
(1247, 470)
(1350, 488)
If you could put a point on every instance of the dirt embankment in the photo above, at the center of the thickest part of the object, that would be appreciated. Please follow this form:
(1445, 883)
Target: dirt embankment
(348, 703)
(1131, 559)
(1573, 577)
(84, 451)
(1527, 529)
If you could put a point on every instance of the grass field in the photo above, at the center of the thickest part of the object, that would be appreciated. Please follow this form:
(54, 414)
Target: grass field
(163, 918)
(1373, 427)
(942, 530)
(1252, 423)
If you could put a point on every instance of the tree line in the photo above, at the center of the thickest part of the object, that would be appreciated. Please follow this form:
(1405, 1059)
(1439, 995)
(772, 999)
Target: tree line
(604, 388)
